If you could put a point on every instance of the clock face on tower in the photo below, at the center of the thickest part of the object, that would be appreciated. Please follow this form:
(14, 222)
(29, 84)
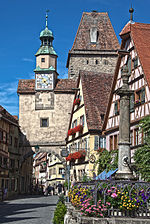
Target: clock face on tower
(44, 81)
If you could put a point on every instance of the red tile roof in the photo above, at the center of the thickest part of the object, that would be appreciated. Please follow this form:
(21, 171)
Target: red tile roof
(65, 85)
(62, 85)
(7, 115)
(26, 86)
(107, 39)
(140, 34)
(96, 91)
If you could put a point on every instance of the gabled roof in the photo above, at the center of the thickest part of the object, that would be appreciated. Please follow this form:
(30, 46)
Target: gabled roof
(96, 89)
(140, 34)
(107, 39)
(27, 86)
(5, 114)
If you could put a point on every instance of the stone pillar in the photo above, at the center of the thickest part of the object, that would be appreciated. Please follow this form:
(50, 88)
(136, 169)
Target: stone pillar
(124, 159)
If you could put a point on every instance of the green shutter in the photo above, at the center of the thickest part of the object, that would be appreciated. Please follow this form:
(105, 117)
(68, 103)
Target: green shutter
(132, 102)
(143, 95)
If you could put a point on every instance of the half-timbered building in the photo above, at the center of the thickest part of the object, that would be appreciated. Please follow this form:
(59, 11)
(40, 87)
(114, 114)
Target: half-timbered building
(135, 53)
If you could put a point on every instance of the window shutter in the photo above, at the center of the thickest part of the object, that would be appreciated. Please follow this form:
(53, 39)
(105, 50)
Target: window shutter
(143, 95)
(132, 99)
(96, 143)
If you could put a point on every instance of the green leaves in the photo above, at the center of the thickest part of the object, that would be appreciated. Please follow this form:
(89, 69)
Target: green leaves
(59, 213)
(107, 160)
(142, 154)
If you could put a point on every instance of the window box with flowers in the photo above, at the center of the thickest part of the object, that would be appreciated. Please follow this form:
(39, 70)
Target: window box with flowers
(76, 129)
(76, 101)
(76, 155)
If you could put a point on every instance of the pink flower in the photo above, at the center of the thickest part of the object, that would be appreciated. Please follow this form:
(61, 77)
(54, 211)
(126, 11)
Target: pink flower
(109, 191)
(107, 203)
(114, 195)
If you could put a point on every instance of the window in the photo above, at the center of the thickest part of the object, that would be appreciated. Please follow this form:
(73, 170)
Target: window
(96, 62)
(140, 96)
(136, 136)
(111, 142)
(74, 124)
(85, 140)
(135, 62)
(105, 62)
(61, 170)
(93, 34)
(87, 62)
(96, 142)
(0, 161)
(102, 142)
(129, 64)
(42, 59)
(131, 137)
(115, 142)
(82, 120)
(44, 122)
(117, 107)
(45, 41)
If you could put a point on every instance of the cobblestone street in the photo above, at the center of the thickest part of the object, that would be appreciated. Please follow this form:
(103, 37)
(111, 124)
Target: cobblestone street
(29, 210)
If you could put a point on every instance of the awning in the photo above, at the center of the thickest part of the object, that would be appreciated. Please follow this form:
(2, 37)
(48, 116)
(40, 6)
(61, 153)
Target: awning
(106, 175)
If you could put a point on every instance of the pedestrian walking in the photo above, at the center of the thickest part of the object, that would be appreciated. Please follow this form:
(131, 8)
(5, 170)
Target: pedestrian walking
(59, 186)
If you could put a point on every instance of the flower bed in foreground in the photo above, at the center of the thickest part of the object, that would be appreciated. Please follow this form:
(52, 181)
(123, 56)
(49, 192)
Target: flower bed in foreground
(128, 200)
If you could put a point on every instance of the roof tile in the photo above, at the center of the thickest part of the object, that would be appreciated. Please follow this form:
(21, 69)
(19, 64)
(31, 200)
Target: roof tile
(96, 90)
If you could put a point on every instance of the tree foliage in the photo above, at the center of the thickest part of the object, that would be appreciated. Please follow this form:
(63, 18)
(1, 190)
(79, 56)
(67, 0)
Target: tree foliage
(107, 160)
(142, 154)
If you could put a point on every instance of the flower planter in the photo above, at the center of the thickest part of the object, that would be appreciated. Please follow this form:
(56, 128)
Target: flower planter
(76, 129)
(76, 155)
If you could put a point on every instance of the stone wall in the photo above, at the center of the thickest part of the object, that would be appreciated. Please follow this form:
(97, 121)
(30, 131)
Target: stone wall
(74, 217)
(58, 117)
(97, 63)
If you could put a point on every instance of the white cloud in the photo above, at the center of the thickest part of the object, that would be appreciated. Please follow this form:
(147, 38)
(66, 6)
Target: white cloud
(8, 97)
(27, 59)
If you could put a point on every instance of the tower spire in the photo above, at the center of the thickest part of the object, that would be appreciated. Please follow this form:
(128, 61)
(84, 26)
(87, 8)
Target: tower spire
(47, 11)
(131, 10)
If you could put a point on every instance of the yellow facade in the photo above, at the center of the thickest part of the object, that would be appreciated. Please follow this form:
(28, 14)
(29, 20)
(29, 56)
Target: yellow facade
(55, 171)
(82, 141)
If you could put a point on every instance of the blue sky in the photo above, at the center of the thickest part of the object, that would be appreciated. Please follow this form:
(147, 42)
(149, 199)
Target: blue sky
(22, 20)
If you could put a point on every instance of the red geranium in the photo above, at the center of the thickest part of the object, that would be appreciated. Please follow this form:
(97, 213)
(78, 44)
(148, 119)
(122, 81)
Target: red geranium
(76, 101)
(76, 129)
(76, 155)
